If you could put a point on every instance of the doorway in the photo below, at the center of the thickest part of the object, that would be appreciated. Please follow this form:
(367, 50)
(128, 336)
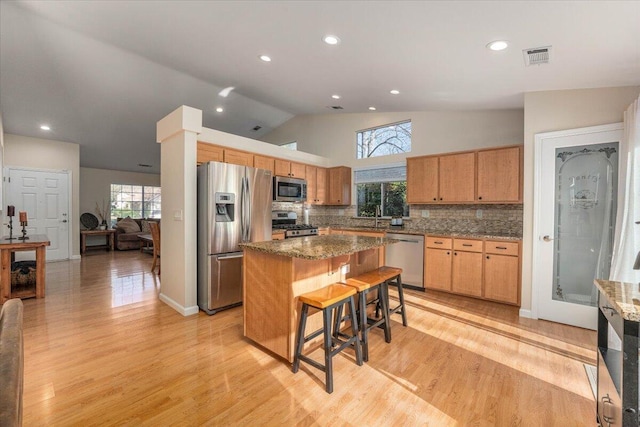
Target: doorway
(44, 195)
(575, 199)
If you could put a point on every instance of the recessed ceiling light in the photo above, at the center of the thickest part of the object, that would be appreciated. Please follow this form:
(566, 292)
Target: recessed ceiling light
(219, 109)
(45, 127)
(498, 45)
(394, 92)
(265, 58)
(335, 96)
(332, 40)
(372, 108)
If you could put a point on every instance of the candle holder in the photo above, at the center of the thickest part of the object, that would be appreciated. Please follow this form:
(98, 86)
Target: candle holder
(24, 231)
(10, 229)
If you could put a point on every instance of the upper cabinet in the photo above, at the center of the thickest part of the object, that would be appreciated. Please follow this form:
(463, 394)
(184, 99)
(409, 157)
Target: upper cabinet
(287, 168)
(339, 180)
(422, 179)
(316, 185)
(238, 157)
(484, 176)
(263, 162)
(456, 178)
(500, 175)
(209, 153)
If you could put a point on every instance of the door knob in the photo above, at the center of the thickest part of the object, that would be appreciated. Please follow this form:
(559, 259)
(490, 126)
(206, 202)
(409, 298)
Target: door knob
(64, 220)
(547, 238)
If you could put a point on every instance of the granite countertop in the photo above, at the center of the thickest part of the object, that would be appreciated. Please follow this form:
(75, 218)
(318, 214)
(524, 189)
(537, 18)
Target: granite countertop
(439, 233)
(319, 247)
(623, 297)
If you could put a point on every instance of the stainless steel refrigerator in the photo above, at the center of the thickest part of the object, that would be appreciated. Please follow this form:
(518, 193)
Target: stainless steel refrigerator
(234, 206)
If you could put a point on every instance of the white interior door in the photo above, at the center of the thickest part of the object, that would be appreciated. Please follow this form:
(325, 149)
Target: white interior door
(44, 195)
(575, 209)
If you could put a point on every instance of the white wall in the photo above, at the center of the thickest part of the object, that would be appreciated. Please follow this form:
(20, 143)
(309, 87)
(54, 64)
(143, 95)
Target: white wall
(433, 132)
(95, 185)
(22, 151)
(559, 110)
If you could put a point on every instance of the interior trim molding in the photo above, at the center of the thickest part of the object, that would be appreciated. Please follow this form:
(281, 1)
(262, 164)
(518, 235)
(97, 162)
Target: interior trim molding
(185, 311)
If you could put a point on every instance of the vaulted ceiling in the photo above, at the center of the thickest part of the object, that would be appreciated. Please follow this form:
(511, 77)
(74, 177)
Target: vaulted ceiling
(102, 73)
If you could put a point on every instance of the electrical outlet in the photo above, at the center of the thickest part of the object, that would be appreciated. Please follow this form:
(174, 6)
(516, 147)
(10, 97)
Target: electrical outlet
(345, 269)
(425, 213)
(479, 213)
(341, 212)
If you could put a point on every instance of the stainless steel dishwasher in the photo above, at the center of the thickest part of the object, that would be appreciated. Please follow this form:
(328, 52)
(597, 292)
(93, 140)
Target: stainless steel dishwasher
(407, 254)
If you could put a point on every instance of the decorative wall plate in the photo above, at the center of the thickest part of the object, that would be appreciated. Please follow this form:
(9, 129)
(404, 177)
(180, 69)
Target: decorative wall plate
(89, 221)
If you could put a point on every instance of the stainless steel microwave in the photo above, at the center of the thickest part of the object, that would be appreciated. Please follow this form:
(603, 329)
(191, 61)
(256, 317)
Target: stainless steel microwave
(289, 189)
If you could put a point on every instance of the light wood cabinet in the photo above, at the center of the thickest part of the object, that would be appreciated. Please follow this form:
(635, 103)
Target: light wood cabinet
(457, 178)
(483, 269)
(466, 270)
(263, 162)
(287, 168)
(339, 180)
(316, 185)
(238, 157)
(323, 231)
(437, 263)
(499, 175)
(422, 179)
(278, 235)
(502, 271)
(484, 176)
(209, 153)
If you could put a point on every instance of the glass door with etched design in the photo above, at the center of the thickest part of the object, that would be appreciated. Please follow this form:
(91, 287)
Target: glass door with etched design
(576, 212)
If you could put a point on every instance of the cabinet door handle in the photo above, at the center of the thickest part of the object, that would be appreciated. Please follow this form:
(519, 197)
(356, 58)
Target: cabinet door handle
(501, 247)
(466, 244)
(455, 253)
(437, 243)
(480, 198)
(606, 400)
(435, 198)
(488, 257)
(448, 253)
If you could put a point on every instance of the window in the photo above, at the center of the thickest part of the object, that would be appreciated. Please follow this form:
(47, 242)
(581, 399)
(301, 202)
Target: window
(385, 187)
(384, 140)
(290, 145)
(136, 201)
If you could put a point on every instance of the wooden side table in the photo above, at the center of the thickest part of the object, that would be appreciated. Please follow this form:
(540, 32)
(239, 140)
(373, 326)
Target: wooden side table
(109, 236)
(37, 242)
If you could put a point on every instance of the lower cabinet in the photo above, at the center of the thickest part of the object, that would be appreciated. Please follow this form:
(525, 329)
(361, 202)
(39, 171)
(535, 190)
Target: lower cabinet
(466, 276)
(482, 269)
(502, 271)
(437, 263)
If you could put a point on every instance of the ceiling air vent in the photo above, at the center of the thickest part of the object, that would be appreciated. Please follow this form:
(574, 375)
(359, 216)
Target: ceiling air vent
(537, 55)
(336, 107)
(256, 128)
(144, 165)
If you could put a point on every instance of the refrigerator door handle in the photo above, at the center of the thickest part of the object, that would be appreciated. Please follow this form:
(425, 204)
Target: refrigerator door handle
(248, 209)
(229, 257)
(242, 207)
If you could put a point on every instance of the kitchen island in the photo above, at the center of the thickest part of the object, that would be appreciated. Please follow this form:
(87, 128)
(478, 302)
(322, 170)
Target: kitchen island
(275, 273)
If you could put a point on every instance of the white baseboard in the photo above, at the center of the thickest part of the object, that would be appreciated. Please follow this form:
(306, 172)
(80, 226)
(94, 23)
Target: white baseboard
(75, 257)
(526, 313)
(185, 311)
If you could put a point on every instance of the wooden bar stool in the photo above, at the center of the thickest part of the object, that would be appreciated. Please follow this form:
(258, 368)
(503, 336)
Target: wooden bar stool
(327, 299)
(366, 284)
(393, 275)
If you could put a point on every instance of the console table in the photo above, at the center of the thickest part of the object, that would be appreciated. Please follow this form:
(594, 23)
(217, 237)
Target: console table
(108, 233)
(618, 399)
(37, 242)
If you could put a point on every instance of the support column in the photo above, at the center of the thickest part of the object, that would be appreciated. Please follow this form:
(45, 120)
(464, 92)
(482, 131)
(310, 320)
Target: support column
(178, 133)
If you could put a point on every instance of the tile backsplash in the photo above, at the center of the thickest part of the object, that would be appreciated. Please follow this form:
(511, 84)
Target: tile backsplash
(483, 219)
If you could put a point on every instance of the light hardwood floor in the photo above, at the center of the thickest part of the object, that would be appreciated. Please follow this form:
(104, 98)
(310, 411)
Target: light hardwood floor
(101, 349)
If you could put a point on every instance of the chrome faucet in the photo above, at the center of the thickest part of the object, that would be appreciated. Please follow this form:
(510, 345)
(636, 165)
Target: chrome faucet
(377, 215)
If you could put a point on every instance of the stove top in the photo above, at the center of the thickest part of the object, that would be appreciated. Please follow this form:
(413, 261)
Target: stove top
(292, 227)
(284, 220)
